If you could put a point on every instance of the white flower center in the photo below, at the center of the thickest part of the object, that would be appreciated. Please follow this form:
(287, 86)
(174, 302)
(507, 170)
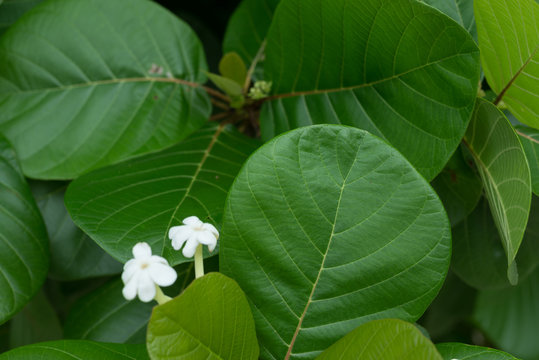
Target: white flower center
(198, 228)
(144, 265)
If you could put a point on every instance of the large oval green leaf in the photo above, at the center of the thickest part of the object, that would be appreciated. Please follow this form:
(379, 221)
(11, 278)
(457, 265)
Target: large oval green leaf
(509, 42)
(87, 83)
(505, 173)
(478, 255)
(396, 68)
(328, 227)
(74, 255)
(510, 317)
(452, 351)
(211, 319)
(24, 246)
(388, 339)
(140, 199)
(77, 349)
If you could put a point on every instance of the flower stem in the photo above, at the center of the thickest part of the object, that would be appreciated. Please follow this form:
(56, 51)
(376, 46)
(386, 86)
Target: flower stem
(160, 297)
(199, 262)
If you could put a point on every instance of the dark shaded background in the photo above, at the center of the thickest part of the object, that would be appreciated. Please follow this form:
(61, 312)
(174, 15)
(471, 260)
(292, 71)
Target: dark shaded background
(208, 18)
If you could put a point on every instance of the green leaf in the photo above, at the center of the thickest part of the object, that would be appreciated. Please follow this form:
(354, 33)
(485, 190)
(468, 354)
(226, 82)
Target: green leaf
(459, 188)
(395, 339)
(116, 84)
(232, 67)
(530, 142)
(231, 88)
(105, 315)
(505, 173)
(35, 323)
(140, 199)
(210, 320)
(24, 247)
(478, 255)
(325, 228)
(452, 351)
(76, 349)
(73, 254)
(509, 319)
(12, 10)
(509, 44)
(396, 68)
(459, 10)
(247, 28)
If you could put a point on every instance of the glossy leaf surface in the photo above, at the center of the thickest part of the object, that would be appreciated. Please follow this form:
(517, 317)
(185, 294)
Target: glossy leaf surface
(451, 351)
(509, 317)
(76, 349)
(505, 173)
(140, 199)
(396, 68)
(530, 142)
(73, 254)
(211, 319)
(509, 42)
(328, 227)
(478, 255)
(118, 83)
(24, 247)
(387, 339)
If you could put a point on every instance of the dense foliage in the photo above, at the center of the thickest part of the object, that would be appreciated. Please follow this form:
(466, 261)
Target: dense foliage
(372, 167)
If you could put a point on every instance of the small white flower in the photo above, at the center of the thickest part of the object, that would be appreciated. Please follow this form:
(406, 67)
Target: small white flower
(144, 272)
(193, 232)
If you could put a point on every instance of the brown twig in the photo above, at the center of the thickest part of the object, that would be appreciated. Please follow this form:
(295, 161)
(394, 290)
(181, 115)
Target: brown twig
(219, 104)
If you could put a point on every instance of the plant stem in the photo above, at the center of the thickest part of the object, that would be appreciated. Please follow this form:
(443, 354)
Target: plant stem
(199, 262)
(252, 68)
(160, 297)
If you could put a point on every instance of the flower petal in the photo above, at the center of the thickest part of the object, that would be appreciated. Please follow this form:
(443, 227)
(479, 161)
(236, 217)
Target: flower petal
(173, 231)
(142, 251)
(192, 221)
(130, 269)
(189, 249)
(130, 288)
(162, 275)
(212, 229)
(146, 287)
(181, 236)
(206, 238)
(158, 259)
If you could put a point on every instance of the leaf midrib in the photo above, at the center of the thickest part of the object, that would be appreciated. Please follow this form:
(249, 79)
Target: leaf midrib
(108, 82)
(309, 300)
(372, 83)
(213, 140)
(502, 93)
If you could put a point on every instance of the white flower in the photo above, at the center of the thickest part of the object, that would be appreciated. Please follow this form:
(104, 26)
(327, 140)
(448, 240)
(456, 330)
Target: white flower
(193, 232)
(144, 272)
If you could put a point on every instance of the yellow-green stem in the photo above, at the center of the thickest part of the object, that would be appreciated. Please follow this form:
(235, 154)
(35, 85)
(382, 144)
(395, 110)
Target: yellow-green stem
(199, 262)
(160, 297)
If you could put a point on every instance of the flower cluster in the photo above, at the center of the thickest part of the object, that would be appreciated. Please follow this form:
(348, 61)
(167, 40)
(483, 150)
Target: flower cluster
(143, 274)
